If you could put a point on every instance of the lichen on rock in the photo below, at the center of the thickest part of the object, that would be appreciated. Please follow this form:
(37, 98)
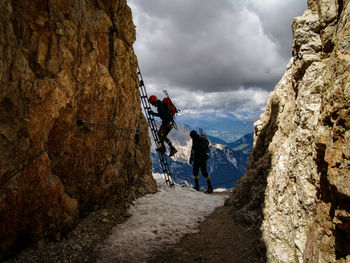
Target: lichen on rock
(295, 191)
(72, 133)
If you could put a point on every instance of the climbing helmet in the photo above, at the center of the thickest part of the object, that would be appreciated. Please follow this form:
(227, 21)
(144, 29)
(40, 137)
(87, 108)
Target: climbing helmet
(152, 99)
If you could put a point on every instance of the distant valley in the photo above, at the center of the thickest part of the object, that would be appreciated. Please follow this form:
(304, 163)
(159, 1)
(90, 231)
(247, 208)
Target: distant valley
(228, 130)
(227, 162)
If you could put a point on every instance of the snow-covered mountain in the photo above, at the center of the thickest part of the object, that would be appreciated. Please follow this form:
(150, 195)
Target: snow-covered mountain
(225, 166)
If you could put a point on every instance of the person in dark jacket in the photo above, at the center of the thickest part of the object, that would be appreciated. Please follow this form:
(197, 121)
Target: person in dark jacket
(167, 123)
(199, 157)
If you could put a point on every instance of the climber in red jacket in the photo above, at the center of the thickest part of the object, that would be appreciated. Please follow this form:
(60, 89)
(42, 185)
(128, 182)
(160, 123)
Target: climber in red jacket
(167, 123)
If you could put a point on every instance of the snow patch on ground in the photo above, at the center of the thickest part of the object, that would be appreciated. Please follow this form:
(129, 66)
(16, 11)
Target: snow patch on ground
(158, 220)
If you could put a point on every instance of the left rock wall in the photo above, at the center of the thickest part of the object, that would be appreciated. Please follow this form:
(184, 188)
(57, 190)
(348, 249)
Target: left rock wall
(62, 61)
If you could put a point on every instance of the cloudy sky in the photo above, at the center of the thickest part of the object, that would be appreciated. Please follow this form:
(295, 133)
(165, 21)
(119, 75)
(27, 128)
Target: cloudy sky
(214, 56)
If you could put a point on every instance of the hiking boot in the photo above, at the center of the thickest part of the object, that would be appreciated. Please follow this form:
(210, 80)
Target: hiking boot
(196, 188)
(210, 190)
(161, 149)
(172, 152)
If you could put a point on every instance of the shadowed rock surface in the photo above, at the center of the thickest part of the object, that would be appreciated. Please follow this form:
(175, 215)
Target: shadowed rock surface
(296, 190)
(66, 61)
(63, 62)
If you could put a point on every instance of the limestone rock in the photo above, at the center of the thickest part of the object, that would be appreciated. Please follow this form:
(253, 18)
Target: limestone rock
(296, 190)
(63, 64)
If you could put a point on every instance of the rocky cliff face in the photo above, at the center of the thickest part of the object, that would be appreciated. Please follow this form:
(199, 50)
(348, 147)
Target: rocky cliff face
(72, 134)
(296, 190)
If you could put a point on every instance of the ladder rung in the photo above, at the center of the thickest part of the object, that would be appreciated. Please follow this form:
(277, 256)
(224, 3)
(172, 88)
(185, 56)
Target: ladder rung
(153, 127)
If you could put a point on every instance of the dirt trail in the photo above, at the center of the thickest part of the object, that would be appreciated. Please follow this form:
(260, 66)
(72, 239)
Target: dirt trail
(218, 240)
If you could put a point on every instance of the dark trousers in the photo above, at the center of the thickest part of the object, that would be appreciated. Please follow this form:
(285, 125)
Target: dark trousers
(202, 164)
(163, 132)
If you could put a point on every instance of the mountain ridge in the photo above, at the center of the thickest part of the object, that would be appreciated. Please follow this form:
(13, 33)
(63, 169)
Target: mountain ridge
(225, 166)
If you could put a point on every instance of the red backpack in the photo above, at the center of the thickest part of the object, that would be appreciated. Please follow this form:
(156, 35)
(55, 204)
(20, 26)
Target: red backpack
(171, 106)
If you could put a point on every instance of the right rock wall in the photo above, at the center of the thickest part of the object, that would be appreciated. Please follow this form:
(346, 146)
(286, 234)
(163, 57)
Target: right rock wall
(296, 191)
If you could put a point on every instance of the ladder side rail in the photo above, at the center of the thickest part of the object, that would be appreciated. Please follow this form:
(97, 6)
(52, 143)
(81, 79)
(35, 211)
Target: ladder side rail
(153, 126)
(164, 164)
(165, 169)
(150, 118)
(163, 161)
(146, 106)
(168, 177)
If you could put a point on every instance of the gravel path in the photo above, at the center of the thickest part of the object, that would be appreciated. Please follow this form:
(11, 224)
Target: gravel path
(218, 240)
(78, 245)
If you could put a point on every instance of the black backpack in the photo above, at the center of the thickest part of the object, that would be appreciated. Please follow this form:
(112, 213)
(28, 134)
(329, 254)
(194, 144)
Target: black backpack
(205, 143)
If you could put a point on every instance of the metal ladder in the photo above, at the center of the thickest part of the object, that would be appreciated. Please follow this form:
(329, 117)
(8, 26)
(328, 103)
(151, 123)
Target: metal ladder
(153, 126)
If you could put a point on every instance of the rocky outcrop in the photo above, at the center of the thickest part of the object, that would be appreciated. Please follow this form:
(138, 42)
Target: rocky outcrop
(296, 190)
(72, 134)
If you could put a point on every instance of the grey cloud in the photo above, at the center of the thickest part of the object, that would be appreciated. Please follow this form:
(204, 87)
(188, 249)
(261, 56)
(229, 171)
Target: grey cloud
(276, 18)
(214, 46)
(252, 99)
(211, 46)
